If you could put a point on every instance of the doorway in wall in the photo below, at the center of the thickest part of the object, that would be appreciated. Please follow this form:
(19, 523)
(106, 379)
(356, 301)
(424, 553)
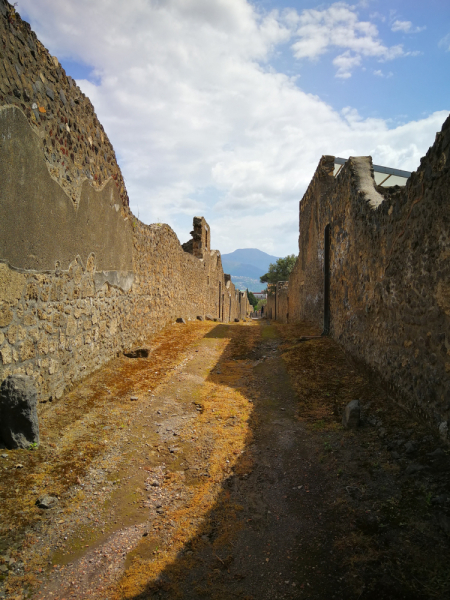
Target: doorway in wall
(326, 282)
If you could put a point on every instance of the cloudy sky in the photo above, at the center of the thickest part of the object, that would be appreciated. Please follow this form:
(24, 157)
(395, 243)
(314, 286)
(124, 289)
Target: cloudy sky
(223, 108)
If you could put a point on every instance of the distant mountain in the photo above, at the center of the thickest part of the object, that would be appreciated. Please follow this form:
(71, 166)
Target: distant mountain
(249, 256)
(241, 269)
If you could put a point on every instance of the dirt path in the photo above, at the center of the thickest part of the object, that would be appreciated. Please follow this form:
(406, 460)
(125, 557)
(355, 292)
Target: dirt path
(229, 476)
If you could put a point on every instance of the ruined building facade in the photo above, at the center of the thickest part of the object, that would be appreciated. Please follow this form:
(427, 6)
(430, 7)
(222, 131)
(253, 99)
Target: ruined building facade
(81, 278)
(374, 271)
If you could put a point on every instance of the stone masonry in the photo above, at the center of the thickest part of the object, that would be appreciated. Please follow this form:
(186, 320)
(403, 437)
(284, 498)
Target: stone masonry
(81, 278)
(389, 273)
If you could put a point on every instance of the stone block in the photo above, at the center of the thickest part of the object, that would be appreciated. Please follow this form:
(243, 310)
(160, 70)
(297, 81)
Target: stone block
(19, 426)
(209, 318)
(352, 414)
(181, 320)
(6, 316)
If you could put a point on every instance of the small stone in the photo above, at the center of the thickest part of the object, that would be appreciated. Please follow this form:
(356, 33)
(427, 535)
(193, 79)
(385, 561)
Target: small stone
(134, 398)
(438, 453)
(199, 318)
(236, 320)
(50, 93)
(395, 455)
(46, 501)
(411, 469)
(137, 353)
(4, 456)
(3, 568)
(209, 318)
(443, 430)
(154, 483)
(181, 320)
(444, 522)
(19, 426)
(351, 415)
(410, 447)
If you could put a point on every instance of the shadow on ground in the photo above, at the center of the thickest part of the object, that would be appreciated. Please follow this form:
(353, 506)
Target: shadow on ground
(306, 509)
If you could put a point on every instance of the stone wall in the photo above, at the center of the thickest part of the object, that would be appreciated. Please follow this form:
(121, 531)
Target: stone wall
(74, 145)
(81, 279)
(282, 301)
(389, 272)
(277, 306)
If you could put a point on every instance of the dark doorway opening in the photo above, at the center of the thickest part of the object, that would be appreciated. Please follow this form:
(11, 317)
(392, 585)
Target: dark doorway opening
(326, 282)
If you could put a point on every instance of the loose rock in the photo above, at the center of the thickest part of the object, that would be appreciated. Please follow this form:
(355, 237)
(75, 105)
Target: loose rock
(351, 415)
(19, 426)
(46, 501)
(443, 430)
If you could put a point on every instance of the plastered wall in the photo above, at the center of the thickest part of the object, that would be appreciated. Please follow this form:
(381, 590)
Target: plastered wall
(81, 278)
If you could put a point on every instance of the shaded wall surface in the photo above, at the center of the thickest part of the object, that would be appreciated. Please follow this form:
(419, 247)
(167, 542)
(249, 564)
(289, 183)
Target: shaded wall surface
(389, 272)
(81, 278)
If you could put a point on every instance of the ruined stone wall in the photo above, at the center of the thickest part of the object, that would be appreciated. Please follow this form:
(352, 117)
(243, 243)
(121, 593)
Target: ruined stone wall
(81, 278)
(389, 272)
(295, 292)
(74, 145)
(306, 302)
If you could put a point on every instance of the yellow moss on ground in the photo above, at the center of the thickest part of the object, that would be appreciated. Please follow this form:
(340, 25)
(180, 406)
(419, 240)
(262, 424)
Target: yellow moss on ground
(225, 421)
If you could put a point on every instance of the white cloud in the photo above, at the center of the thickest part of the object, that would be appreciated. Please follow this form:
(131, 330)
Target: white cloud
(339, 27)
(345, 63)
(200, 121)
(380, 73)
(445, 42)
(406, 27)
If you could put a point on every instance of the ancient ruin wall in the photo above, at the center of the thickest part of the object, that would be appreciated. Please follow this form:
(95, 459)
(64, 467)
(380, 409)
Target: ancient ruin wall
(74, 145)
(389, 273)
(306, 302)
(81, 278)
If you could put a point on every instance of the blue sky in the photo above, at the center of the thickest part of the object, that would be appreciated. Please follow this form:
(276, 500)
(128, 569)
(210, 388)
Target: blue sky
(223, 108)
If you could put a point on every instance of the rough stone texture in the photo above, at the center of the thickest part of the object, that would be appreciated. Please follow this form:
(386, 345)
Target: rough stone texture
(351, 415)
(73, 144)
(19, 426)
(389, 272)
(46, 501)
(81, 279)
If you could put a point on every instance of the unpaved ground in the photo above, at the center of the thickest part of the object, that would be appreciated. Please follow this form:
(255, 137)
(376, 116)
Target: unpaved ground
(229, 476)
